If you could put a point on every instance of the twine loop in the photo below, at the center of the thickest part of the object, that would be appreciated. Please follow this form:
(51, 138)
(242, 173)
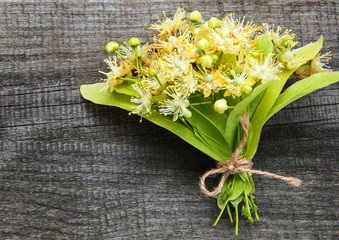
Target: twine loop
(238, 164)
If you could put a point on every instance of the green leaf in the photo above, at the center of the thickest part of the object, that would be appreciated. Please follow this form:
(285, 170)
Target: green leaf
(208, 140)
(302, 88)
(126, 88)
(222, 196)
(264, 44)
(261, 113)
(248, 188)
(237, 188)
(208, 121)
(244, 177)
(229, 58)
(236, 201)
(239, 110)
(91, 93)
(252, 183)
(210, 125)
(203, 34)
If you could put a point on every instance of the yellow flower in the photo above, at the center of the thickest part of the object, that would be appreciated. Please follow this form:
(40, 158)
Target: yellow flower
(278, 37)
(116, 72)
(264, 69)
(144, 100)
(142, 52)
(177, 105)
(318, 63)
(169, 26)
(177, 64)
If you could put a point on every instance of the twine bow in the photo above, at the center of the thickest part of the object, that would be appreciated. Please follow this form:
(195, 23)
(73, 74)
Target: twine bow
(238, 164)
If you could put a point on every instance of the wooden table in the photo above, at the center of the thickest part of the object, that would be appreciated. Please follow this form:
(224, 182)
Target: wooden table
(70, 169)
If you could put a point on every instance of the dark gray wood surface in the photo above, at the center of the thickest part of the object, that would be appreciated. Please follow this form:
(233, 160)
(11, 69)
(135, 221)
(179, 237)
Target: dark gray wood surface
(70, 169)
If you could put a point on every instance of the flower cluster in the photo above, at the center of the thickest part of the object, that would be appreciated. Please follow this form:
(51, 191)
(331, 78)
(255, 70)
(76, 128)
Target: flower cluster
(215, 61)
(217, 80)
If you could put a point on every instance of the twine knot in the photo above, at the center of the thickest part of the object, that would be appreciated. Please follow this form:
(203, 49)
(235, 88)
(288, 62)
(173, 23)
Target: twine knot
(238, 164)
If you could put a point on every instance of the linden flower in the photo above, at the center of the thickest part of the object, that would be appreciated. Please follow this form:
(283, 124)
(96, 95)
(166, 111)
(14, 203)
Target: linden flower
(187, 83)
(265, 70)
(178, 65)
(178, 106)
(238, 79)
(237, 29)
(169, 45)
(116, 72)
(210, 81)
(235, 88)
(144, 101)
(169, 26)
(240, 84)
(277, 37)
(160, 80)
(290, 60)
(142, 52)
(225, 42)
(221, 40)
(319, 62)
(172, 43)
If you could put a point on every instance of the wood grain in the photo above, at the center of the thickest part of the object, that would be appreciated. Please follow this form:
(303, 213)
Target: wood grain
(70, 169)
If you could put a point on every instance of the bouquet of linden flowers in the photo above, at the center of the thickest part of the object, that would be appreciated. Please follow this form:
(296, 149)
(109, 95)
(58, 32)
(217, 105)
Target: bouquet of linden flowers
(214, 85)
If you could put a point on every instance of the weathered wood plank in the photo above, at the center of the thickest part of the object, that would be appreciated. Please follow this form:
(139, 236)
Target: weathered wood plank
(70, 169)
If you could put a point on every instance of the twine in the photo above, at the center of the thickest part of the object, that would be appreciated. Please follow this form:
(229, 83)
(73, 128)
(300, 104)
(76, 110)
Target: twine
(238, 164)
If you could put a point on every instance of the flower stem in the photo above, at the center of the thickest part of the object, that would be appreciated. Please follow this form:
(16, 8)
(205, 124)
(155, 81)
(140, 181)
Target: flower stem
(219, 59)
(191, 26)
(127, 79)
(229, 213)
(222, 210)
(156, 77)
(159, 100)
(236, 220)
(117, 53)
(193, 104)
(137, 60)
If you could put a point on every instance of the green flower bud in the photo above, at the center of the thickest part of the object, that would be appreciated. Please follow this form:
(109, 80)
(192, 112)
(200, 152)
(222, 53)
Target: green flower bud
(249, 218)
(243, 210)
(288, 42)
(220, 106)
(111, 47)
(134, 42)
(277, 40)
(152, 72)
(246, 89)
(195, 16)
(213, 22)
(214, 57)
(287, 56)
(197, 51)
(206, 61)
(202, 44)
